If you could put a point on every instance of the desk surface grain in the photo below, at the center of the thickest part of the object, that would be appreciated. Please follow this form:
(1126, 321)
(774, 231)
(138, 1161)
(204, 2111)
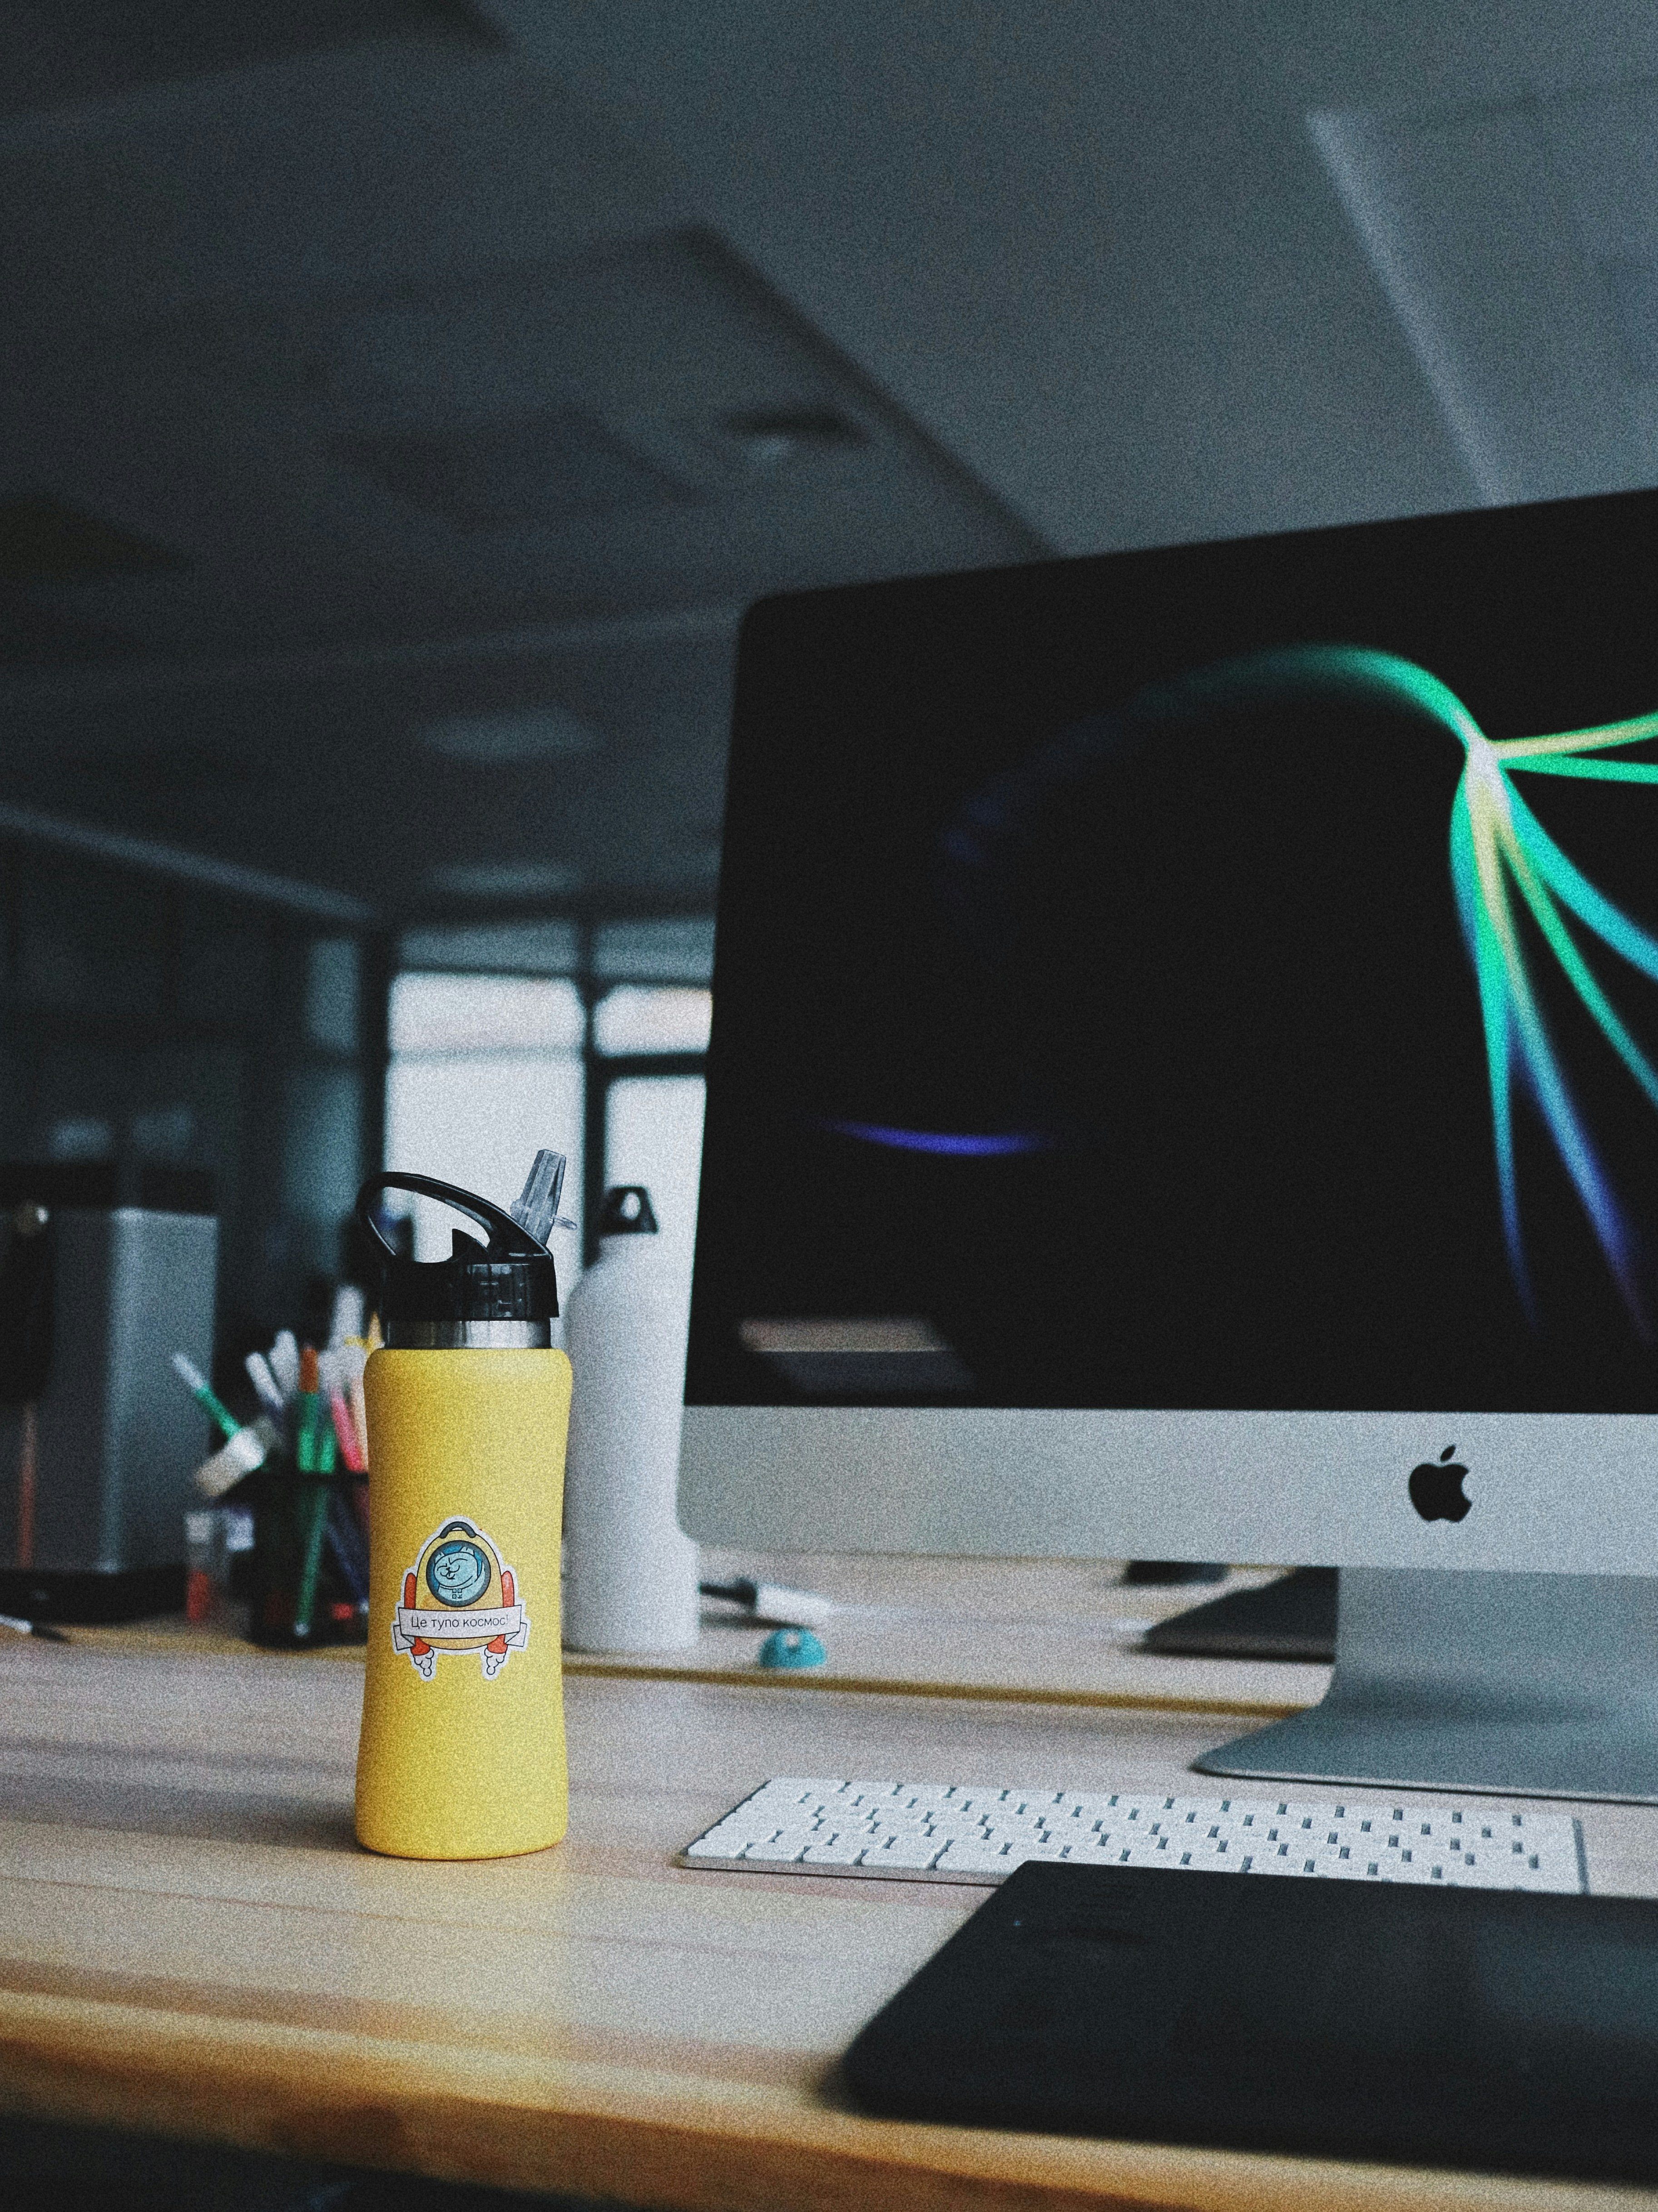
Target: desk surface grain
(190, 1943)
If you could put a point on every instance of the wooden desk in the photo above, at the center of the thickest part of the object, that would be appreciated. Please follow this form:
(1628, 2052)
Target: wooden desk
(190, 1943)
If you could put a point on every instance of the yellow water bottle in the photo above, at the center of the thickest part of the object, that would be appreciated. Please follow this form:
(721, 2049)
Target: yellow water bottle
(461, 1754)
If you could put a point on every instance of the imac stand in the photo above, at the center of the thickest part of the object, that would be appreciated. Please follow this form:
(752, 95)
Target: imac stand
(1529, 1684)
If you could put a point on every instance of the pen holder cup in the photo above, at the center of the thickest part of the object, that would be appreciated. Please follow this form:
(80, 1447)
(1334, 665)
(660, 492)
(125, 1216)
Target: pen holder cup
(310, 1558)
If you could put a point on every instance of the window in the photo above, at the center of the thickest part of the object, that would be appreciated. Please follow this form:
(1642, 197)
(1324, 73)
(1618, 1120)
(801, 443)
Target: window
(640, 1017)
(645, 1111)
(484, 1070)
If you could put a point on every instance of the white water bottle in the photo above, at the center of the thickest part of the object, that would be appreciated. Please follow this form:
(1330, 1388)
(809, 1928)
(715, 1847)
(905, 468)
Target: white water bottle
(630, 1570)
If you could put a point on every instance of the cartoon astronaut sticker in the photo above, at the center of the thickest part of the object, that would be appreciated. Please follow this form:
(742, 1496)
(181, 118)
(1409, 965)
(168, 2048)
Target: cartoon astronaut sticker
(475, 1603)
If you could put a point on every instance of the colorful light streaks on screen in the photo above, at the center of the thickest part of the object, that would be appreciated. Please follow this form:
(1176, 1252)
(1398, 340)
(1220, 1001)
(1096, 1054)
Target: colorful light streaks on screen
(951, 1144)
(1504, 865)
(1503, 862)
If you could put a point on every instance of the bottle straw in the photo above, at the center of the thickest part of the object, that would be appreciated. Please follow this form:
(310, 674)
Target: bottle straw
(537, 1206)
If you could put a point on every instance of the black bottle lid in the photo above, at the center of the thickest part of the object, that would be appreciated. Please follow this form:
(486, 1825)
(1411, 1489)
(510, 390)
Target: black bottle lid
(510, 1279)
(626, 1212)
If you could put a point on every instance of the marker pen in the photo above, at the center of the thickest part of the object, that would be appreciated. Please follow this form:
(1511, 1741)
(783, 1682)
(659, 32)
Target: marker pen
(201, 1390)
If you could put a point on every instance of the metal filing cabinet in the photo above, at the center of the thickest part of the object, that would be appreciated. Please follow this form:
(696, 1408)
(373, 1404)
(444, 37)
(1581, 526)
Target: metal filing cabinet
(97, 1439)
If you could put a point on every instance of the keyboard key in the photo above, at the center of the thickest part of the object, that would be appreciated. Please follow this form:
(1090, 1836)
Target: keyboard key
(976, 1858)
(909, 1853)
(839, 1851)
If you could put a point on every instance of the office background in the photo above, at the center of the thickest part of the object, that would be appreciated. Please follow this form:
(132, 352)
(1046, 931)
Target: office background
(405, 398)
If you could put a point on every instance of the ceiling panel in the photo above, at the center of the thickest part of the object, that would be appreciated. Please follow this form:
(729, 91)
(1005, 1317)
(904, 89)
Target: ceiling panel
(333, 777)
(481, 362)
(1513, 239)
(538, 471)
(62, 53)
(45, 541)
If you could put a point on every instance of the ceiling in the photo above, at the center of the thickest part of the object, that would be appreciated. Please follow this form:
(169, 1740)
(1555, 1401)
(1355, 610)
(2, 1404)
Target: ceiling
(403, 398)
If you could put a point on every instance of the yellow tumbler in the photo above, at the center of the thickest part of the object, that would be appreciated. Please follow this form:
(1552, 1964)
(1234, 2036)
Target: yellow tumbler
(461, 1753)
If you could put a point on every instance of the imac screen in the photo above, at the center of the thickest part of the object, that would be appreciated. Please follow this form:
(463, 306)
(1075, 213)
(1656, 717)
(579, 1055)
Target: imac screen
(1222, 977)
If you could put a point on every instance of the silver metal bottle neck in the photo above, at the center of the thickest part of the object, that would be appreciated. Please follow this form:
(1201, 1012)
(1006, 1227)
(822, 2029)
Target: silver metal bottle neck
(469, 1336)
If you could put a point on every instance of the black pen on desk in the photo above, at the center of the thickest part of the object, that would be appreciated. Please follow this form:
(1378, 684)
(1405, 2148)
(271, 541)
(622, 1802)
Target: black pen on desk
(793, 1608)
(43, 1629)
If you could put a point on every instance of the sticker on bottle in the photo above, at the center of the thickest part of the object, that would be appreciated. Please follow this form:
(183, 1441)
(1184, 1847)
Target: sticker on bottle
(459, 1595)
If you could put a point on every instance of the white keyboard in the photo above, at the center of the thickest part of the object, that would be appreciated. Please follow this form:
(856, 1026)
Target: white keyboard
(979, 1832)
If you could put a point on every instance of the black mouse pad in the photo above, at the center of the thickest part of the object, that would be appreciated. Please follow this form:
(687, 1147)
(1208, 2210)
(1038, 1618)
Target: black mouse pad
(1488, 2028)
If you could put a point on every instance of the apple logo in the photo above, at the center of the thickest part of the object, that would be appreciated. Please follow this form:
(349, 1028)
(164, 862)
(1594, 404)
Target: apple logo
(1436, 1488)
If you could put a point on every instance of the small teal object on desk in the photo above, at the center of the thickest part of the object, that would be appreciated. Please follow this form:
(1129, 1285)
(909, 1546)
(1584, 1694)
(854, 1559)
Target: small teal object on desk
(791, 1647)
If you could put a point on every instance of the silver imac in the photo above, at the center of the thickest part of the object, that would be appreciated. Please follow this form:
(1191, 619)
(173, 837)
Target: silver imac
(1184, 1083)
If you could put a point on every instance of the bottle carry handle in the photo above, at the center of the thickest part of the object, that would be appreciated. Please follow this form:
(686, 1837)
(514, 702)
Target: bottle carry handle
(508, 1239)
